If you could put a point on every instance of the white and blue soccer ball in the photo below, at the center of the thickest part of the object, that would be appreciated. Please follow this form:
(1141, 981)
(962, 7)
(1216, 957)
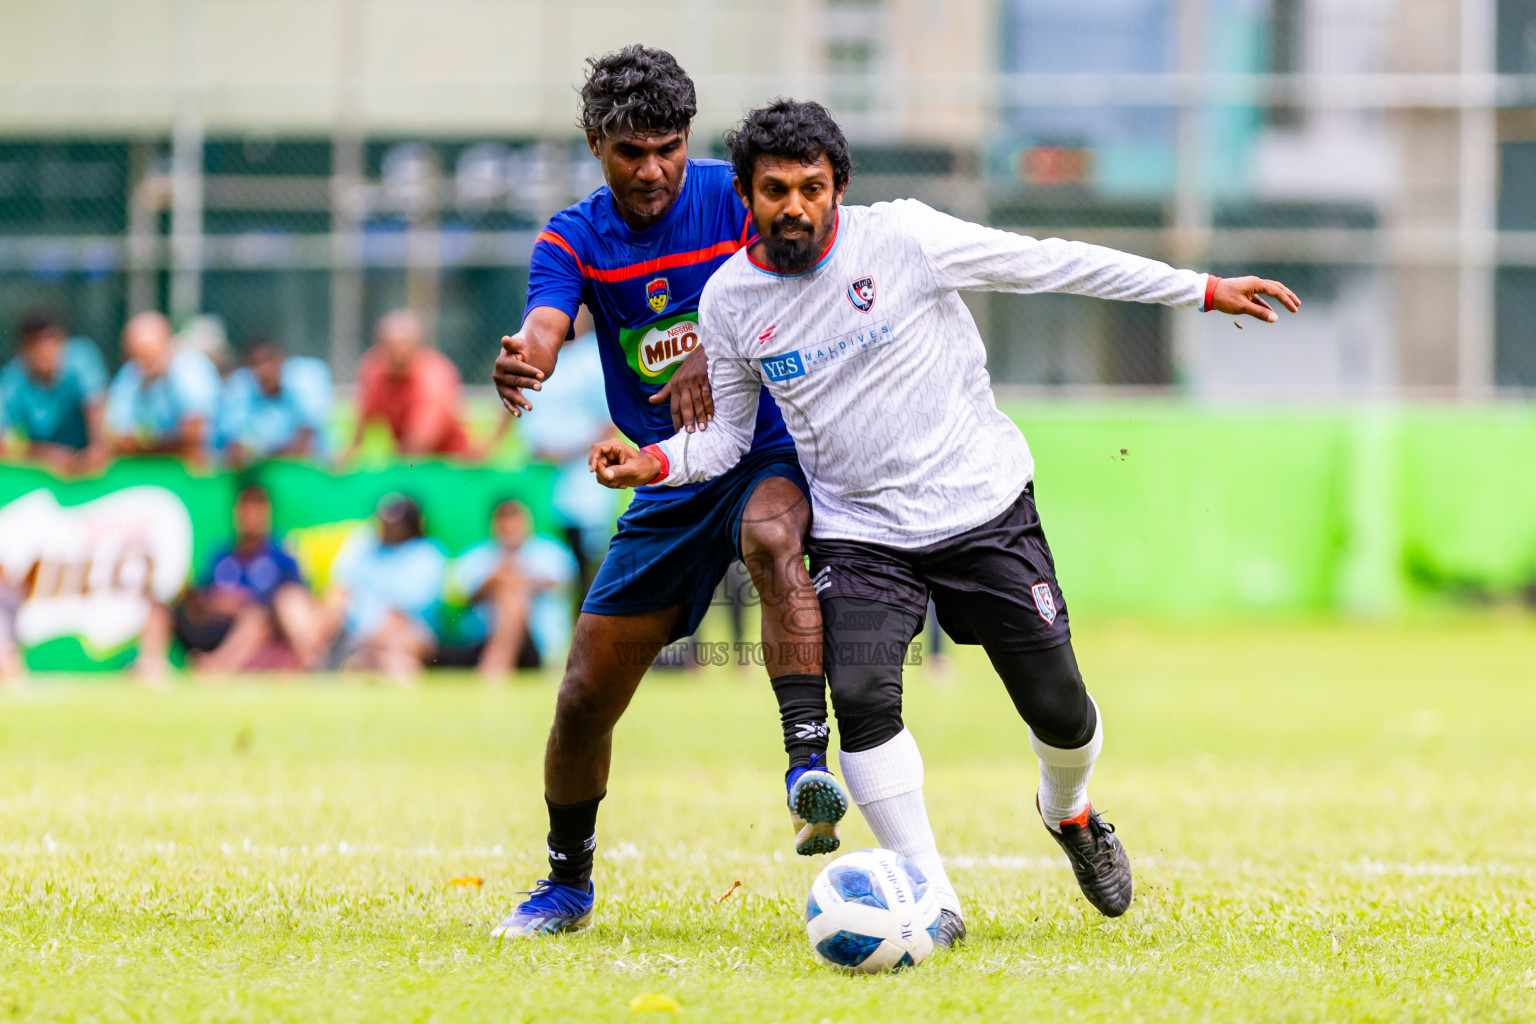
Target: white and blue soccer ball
(871, 911)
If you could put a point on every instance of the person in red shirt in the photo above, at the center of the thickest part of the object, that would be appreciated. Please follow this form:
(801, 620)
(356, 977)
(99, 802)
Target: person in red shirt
(411, 386)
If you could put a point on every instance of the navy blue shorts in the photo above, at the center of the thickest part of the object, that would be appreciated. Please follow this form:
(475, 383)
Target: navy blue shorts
(675, 551)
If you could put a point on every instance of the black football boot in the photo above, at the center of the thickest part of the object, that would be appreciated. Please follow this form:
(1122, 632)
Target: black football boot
(1098, 860)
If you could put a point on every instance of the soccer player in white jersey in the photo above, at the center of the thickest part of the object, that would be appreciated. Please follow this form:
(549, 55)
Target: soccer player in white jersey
(919, 485)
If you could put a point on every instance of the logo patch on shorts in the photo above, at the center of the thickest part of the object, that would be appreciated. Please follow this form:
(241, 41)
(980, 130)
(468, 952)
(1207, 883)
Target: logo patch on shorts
(1045, 604)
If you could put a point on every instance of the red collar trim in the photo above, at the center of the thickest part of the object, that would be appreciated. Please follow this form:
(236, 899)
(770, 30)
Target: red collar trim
(837, 231)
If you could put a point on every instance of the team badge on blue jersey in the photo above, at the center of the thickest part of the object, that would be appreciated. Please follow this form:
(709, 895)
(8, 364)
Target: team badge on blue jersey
(862, 294)
(1044, 603)
(657, 294)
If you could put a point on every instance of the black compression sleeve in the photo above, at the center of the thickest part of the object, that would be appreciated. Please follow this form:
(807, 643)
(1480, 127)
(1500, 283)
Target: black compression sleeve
(1048, 691)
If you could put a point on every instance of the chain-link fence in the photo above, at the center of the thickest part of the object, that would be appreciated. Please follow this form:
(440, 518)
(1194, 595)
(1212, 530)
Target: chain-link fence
(1400, 204)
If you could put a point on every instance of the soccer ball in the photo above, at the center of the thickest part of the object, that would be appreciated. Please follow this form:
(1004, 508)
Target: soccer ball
(870, 911)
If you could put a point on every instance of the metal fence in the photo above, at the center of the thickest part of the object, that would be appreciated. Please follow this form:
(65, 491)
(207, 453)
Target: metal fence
(1402, 207)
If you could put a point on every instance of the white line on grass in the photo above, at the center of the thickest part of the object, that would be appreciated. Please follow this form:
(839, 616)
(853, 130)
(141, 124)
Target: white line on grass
(47, 846)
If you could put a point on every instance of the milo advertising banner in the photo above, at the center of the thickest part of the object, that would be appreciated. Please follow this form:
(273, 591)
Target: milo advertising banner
(83, 561)
(91, 570)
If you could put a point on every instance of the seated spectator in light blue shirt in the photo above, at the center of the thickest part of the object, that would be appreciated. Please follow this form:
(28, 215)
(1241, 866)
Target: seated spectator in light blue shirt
(163, 400)
(275, 405)
(518, 587)
(386, 589)
(569, 418)
(52, 394)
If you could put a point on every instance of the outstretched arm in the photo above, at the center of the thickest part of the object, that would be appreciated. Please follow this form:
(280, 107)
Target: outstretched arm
(529, 356)
(1238, 295)
(555, 282)
(969, 256)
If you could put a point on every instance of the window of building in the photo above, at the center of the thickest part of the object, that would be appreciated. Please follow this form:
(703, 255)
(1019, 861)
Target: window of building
(1285, 30)
(855, 31)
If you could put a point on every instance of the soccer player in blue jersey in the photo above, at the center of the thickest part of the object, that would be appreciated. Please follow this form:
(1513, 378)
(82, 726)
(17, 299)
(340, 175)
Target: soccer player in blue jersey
(637, 253)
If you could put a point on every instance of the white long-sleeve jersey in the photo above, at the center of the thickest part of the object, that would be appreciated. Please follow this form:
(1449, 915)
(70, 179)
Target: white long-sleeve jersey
(880, 371)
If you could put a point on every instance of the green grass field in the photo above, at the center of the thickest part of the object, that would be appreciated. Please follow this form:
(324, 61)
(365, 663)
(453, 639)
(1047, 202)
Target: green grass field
(1327, 823)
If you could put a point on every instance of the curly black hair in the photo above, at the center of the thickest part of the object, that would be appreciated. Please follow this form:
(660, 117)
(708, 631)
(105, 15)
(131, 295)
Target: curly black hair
(636, 89)
(790, 130)
(39, 321)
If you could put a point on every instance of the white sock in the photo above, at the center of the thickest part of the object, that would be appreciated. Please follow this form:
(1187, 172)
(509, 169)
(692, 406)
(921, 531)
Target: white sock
(1064, 775)
(887, 784)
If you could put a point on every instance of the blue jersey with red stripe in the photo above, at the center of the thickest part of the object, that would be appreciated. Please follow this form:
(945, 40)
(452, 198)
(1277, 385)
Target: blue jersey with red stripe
(643, 289)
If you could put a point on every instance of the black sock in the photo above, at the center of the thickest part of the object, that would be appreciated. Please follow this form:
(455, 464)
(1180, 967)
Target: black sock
(803, 713)
(572, 841)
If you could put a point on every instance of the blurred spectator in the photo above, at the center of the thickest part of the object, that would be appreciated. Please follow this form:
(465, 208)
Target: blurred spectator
(52, 393)
(386, 586)
(410, 386)
(275, 405)
(518, 589)
(206, 334)
(569, 417)
(163, 400)
(251, 610)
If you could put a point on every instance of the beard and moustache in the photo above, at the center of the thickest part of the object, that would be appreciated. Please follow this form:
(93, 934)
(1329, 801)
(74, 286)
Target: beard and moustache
(791, 255)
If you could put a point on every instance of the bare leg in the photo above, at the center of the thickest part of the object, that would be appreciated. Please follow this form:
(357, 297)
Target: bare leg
(330, 621)
(773, 529)
(152, 664)
(512, 604)
(301, 623)
(399, 649)
(13, 667)
(609, 656)
(247, 635)
(12, 670)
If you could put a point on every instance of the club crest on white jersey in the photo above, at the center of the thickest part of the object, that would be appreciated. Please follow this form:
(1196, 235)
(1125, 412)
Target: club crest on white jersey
(1045, 604)
(861, 292)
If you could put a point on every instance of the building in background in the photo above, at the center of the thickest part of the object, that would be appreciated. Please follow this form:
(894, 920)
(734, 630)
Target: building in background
(1516, 285)
(299, 168)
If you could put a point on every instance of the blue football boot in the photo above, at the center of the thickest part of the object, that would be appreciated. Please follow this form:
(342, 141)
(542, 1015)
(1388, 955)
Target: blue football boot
(816, 804)
(551, 907)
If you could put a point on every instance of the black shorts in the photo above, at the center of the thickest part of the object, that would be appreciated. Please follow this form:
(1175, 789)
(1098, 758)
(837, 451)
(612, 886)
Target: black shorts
(199, 629)
(993, 585)
(468, 655)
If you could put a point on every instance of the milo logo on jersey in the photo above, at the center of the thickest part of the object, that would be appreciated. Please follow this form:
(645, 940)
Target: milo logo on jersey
(655, 350)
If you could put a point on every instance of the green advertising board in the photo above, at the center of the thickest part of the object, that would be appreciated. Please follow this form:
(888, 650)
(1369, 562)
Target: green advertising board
(1164, 510)
(1153, 509)
(60, 534)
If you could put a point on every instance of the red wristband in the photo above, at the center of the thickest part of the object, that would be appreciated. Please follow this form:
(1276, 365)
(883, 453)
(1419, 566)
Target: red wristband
(1211, 281)
(654, 450)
